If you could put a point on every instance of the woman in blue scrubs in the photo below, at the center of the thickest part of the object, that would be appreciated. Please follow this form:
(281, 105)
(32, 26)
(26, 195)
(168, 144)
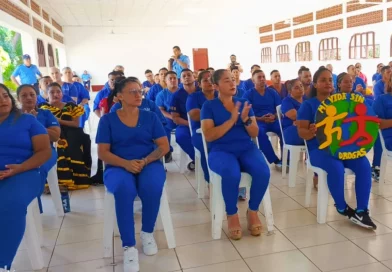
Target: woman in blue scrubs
(264, 102)
(24, 148)
(359, 84)
(322, 88)
(27, 97)
(131, 142)
(290, 106)
(228, 124)
(194, 104)
(377, 76)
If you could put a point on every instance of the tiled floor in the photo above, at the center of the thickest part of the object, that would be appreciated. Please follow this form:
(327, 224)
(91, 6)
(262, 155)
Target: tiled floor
(74, 243)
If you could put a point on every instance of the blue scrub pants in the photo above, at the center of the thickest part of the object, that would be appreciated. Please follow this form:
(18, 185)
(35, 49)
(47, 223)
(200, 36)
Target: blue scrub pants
(377, 152)
(184, 140)
(264, 142)
(125, 186)
(169, 128)
(291, 136)
(335, 178)
(44, 170)
(16, 193)
(229, 165)
(85, 116)
(197, 142)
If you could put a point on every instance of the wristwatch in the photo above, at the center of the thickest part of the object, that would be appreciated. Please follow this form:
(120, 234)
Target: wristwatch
(247, 122)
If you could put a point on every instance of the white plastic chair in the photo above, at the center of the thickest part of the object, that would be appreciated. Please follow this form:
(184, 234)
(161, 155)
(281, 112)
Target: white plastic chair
(385, 157)
(198, 169)
(53, 183)
(183, 160)
(295, 154)
(273, 136)
(110, 222)
(217, 203)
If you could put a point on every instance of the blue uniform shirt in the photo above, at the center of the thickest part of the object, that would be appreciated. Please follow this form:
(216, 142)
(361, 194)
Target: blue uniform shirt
(146, 105)
(265, 104)
(130, 143)
(379, 89)
(283, 91)
(359, 81)
(104, 93)
(147, 84)
(177, 67)
(196, 101)
(241, 85)
(288, 104)
(383, 109)
(178, 103)
(240, 92)
(27, 75)
(307, 112)
(376, 77)
(154, 91)
(164, 99)
(16, 133)
(237, 138)
(82, 92)
(248, 84)
(70, 89)
(86, 77)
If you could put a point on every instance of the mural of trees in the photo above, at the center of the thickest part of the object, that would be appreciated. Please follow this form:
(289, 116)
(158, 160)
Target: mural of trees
(10, 54)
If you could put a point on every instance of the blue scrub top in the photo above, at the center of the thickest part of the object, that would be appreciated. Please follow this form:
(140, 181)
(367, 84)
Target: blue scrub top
(86, 77)
(283, 91)
(177, 67)
(196, 101)
(241, 85)
(248, 84)
(376, 77)
(240, 92)
(146, 105)
(27, 75)
(147, 84)
(288, 104)
(16, 133)
(178, 103)
(70, 89)
(82, 92)
(104, 93)
(237, 138)
(130, 143)
(164, 99)
(265, 104)
(154, 91)
(359, 81)
(379, 89)
(307, 112)
(382, 107)
(335, 82)
(47, 119)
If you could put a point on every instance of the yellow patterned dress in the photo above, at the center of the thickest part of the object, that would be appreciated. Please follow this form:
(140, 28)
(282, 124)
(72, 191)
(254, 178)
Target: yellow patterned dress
(73, 149)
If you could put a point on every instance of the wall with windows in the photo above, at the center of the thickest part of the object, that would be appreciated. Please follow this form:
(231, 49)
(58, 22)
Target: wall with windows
(41, 35)
(340, 35)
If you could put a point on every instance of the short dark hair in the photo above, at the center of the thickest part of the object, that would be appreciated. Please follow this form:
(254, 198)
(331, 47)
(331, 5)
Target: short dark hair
(303, 69)
(383, 69)
(232, 68)
(210, 68)
(75, 76)
(156, 75)
(257, 72)
(217, 75)
(54, 84)
(254, 65)
(186, 70)
(350, 66)
(201, 70)
(19, 89)
(274, 71)
(177, 47)
(115, 73)
(148, 71)
(232, 55)
(170, 73)
(44, 77)
(163, 69)
(14, 108)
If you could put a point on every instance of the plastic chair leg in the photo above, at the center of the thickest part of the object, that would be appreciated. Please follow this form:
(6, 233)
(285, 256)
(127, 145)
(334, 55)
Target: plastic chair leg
(108, 225)
(32, 241)
(284, 162)
(294, 158)
(167, 222)
(55, 191)
(322, 198)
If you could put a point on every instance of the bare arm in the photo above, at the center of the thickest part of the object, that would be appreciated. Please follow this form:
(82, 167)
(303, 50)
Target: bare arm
(178, 120)
(385, 123)
(84, 101)
(170, 65)
(194, 114)
(15, 81)
(54, 133)
(73, 123)
(292, 114)
(165, 113)
(108, 157)
(306, 130)
(161, 150)
(211, 132)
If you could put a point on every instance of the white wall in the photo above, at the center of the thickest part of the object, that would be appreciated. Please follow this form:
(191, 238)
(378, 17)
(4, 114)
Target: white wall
(97, 51)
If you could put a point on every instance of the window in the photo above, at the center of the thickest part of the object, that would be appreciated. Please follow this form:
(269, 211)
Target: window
(51, 55)
(282, 53)
(303, 52)
(329, 49)
(266, 55)
(41, 53)
(363, 46)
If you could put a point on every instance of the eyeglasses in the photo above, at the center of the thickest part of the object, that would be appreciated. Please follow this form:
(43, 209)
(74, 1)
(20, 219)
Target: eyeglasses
(134, 92)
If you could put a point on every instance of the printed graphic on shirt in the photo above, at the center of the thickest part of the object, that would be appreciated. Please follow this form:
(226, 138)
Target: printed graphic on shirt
(346, 126)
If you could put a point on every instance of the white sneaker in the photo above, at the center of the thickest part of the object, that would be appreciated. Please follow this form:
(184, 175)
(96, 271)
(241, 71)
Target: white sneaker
(131, 259)
(149, 245)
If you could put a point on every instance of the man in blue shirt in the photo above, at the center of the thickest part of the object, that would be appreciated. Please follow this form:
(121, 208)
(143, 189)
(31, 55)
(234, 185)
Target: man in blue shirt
(149, 82)
(379, 88)
(249, 83)
(26, 72)
(178, 62)
(86, 77)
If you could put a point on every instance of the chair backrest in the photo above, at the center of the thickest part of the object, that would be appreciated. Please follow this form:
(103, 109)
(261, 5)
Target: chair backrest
(382, 140)
(189, 123)
(280, 114)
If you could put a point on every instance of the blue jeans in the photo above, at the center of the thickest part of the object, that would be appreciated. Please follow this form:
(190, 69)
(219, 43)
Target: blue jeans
(229, 166)
(264, 143)
(125, 186)
(16, 193)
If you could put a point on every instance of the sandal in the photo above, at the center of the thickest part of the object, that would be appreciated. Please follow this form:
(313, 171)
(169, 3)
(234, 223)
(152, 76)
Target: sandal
(235, 233)
(255, 229)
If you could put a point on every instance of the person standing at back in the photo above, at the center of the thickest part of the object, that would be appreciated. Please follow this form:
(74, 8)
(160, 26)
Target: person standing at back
(178, 62)
(86, 78)
(233, 63)
(26, 72)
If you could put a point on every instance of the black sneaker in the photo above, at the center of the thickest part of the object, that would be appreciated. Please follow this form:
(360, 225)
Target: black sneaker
(191, 166)
(363, 219)
(349, 212)
(376, 173)
(168, 157)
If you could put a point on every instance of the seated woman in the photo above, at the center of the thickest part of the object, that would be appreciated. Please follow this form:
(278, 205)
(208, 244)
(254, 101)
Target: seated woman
(194, 104)
(24, 148)
(74, 146)
(290, 106)
(228, 124)
(131, 142)
(322, 88)
(27, 97)
(264, 102)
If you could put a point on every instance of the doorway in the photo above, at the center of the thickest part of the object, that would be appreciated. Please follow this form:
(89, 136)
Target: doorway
(200, 58)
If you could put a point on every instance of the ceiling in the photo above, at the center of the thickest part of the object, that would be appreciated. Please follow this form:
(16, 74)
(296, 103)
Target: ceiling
(174, 13)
